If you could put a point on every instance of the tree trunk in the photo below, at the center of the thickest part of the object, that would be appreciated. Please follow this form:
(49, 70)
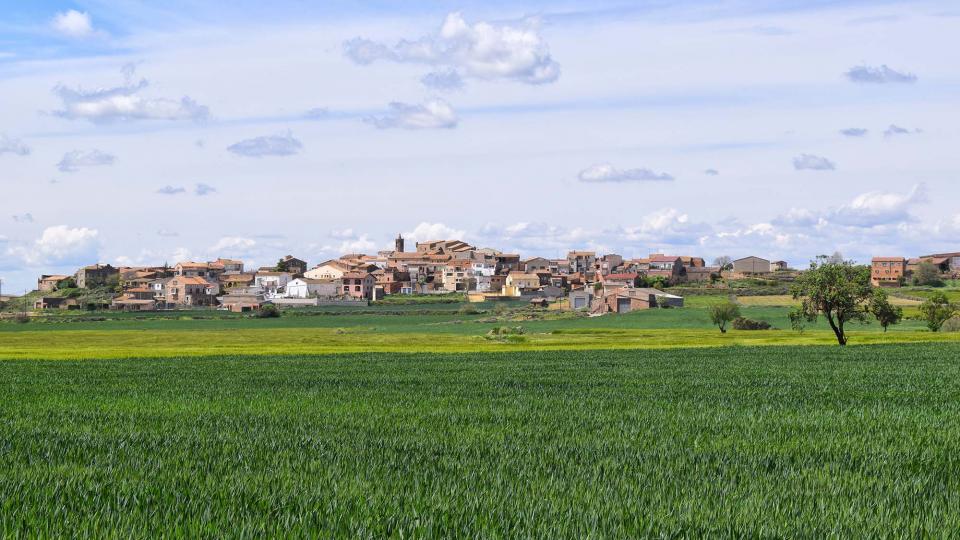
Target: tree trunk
(838, 330)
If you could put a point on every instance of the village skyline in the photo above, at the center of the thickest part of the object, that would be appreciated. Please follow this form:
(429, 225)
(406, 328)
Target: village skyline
(135, 134)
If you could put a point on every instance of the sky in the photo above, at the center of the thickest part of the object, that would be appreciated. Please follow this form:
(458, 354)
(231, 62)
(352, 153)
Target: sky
(144, 132)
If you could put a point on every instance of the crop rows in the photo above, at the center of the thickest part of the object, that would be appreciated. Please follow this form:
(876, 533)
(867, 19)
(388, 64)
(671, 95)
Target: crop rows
(803, 441)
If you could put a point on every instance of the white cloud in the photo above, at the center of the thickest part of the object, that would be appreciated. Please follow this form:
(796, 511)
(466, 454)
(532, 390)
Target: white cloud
(72, 161)
(711, 172)
(23, 218)
(432, 114)
(171, 190)
(233, 245)
(480, 51)
(606, 172)
(268, 145)
(203, 189)
(878, 208)
(425, 231)
(13, 146)
(73, 23)
(668, 226)
(360, 244)
(165, 233)
(810, 162)
(879, 75)
(105, 105)
(62, 245)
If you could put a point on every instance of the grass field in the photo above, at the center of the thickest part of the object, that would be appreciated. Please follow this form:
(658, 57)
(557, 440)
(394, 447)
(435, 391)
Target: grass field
(770, 441)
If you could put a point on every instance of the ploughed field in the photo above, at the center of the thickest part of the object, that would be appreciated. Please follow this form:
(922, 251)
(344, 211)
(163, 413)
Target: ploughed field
(732, 441)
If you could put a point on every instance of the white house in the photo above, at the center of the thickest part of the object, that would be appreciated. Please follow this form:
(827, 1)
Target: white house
(272, 283)
(310, 288)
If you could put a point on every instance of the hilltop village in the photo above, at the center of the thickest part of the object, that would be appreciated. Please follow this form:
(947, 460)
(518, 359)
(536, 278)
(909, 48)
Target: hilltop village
(585, 280)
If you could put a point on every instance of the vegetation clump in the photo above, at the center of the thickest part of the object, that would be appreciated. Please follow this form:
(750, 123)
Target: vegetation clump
(937, 310)
(724, 313)
(267, 311)
(743, 323)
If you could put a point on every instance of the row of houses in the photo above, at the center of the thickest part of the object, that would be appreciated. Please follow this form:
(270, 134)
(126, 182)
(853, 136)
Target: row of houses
(895, 271)
(432, 267)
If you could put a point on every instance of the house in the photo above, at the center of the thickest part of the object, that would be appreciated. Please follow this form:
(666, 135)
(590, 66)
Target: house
(443, 247)
(507, 262)
(95, 275)
(487, 284)
(627, 279)
(953, 260)
(242, 302)
(581, 261)
(941, 263)
(198, 269)
(271, 283)
(358, 284)
(230, 266)
(779, 266)
(332, 269)
(580, 300)
(627, 300)
(312, 288)
(888, 271)
(236, 281)
(539, 302)
(537, 264)
(50, 283)
(751, 266)
(390, 280)
(700, 274)
(458, 276)
(668, 267)
(135, 299)
(518, 283)
(609, 263)
(54, 302)
(692, 262)
(293, 265)
(191, 291)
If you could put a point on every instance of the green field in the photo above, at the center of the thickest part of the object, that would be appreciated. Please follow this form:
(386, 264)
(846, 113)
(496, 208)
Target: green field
(768, 441)
(411, 420)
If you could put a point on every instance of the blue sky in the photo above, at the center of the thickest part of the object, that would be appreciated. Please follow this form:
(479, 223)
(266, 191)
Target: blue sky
(143, 133)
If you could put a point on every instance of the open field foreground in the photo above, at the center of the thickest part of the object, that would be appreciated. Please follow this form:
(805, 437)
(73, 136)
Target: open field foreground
(739, 441)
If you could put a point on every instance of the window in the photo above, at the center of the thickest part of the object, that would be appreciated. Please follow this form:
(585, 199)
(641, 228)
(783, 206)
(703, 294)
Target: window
(357, 288)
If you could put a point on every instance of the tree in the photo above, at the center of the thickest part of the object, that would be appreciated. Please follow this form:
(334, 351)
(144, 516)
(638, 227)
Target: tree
(724, 262)
(885, 312)
(721, 314)
(839, 291)
(282, 266)
(927, 275)
(936, 310)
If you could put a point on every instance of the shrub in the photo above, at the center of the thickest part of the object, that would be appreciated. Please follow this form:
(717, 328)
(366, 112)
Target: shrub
(501, 309)
(936, 310)
(721, 314)
(21, 318)
(743, 323)
(951, 325)
(267, 311)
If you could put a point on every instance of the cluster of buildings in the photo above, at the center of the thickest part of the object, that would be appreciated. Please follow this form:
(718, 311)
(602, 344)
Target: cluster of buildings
(895, 271)
(600, 283)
